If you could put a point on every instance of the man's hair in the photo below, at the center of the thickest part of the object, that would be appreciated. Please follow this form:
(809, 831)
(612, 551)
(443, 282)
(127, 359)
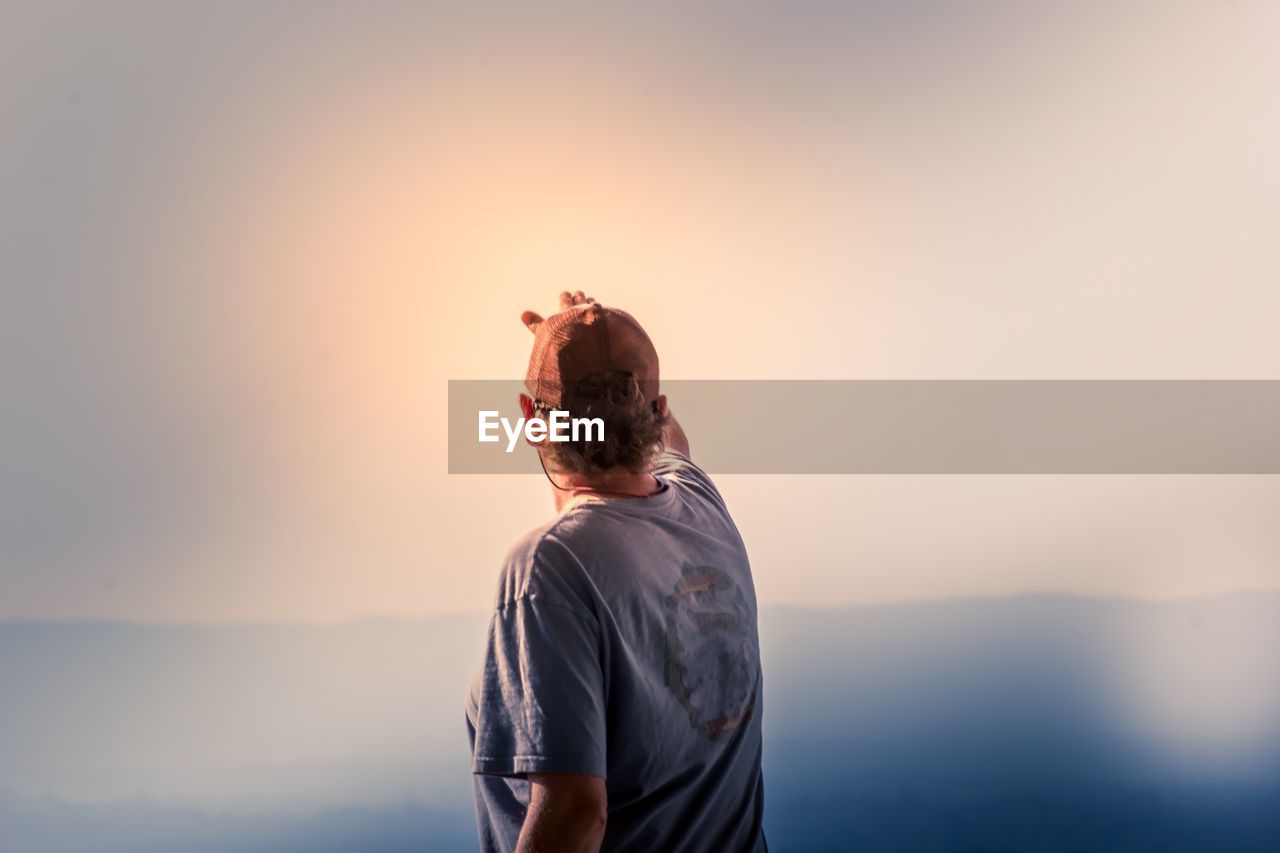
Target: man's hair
(632, 426)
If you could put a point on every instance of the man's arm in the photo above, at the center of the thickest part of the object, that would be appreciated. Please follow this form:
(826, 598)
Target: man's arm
(567, 813)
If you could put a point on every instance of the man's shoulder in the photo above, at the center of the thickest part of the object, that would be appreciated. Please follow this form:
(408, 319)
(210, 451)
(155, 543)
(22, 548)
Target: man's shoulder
(525, 549)
(552, 541)
(542, 564)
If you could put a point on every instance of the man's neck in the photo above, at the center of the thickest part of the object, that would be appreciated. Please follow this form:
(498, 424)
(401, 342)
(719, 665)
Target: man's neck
(605, 485)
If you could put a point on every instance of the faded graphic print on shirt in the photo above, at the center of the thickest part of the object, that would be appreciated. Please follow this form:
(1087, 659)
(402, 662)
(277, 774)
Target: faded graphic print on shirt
(711, 664)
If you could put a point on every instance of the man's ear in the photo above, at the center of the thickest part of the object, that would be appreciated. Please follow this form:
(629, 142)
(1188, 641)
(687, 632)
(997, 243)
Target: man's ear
(660, 407)
(526, 409)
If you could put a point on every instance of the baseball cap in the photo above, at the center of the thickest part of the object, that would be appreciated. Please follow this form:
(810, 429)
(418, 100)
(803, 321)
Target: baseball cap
(571, 345)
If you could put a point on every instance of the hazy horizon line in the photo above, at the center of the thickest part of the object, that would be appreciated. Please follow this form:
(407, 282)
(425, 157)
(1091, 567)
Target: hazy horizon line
(1079, 597)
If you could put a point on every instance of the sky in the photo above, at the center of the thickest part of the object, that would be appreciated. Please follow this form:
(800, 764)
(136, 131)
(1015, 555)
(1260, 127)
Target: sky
(242, 251)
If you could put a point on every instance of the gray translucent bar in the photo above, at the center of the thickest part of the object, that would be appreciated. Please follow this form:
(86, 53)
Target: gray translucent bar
(933, 426)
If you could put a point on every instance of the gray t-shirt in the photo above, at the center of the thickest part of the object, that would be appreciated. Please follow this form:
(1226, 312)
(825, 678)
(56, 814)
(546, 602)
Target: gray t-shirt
(623, 644)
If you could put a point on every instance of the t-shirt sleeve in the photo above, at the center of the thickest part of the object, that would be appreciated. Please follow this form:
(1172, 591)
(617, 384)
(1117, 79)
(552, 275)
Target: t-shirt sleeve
(541, 706)
(677, 466)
